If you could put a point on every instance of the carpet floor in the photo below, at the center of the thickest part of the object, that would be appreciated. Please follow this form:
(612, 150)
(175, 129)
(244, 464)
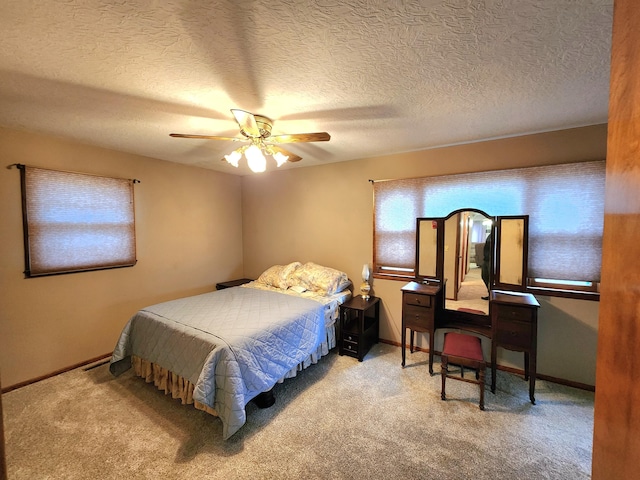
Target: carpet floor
(339, 419)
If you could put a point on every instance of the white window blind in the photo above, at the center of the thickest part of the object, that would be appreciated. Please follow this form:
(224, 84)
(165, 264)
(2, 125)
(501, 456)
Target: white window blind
(565, 204)
(76, 222)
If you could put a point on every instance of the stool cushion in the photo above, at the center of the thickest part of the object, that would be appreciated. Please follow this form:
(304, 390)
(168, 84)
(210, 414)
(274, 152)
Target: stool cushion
(461, 345)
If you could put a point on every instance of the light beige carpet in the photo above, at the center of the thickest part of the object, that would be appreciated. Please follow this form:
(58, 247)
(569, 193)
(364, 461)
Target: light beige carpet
(472, 289)
(340, 419)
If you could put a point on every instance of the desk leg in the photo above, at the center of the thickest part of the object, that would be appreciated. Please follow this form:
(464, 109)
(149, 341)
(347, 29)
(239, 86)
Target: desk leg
(404, 343)
(526, 365)
(494, 356)
(532, 377)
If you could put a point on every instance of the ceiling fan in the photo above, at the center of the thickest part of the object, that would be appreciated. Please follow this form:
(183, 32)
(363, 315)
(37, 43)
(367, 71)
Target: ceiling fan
(256, 129)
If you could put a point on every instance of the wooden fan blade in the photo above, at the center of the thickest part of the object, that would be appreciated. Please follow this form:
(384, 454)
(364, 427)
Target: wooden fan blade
(301, 137)
(292, 156)
(247, 122)
(207, 137)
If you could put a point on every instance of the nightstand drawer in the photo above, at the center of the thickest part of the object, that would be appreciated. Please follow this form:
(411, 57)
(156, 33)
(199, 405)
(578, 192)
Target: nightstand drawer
(350, 348)
(418, 300)
(514, 333)
(350, 337)
(419, 317)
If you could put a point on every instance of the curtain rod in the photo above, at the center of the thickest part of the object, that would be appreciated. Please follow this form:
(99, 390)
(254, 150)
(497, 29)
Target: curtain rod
(382, 180)
(21, 166)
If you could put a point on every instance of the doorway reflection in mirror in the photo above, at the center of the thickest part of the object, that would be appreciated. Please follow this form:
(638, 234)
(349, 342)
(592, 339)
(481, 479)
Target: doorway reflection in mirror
(468, 234)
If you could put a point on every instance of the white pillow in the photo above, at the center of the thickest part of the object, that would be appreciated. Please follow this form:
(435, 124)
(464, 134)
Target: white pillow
(278, 275)
(322, 280)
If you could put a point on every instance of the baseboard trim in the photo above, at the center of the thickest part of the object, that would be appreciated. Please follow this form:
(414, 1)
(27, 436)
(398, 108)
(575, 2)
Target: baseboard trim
(53, 374)
(517, 371)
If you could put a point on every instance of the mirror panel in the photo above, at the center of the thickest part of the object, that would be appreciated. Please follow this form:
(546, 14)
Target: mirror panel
(512, 245)
(511, 251)
(452, 249)
(465, 235)
(427, 251)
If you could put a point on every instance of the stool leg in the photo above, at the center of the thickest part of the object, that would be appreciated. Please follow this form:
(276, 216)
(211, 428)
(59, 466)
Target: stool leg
(443, 373)
(482, 371)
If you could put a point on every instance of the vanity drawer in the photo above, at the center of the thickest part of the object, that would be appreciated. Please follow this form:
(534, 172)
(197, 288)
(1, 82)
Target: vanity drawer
(514, 312)
(514, 333)
(417, 317)
(417, 299)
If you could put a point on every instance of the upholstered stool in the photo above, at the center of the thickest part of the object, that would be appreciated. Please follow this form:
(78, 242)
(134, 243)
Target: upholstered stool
(465, 351)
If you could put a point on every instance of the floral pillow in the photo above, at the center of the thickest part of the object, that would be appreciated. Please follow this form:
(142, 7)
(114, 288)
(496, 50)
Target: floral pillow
(278, 275)
(323, 280)
(288, 270)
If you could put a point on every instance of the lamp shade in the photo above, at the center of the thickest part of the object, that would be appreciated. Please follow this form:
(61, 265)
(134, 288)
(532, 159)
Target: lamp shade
(280, 158)
(233, 158)
(255, 159)
(366, 273)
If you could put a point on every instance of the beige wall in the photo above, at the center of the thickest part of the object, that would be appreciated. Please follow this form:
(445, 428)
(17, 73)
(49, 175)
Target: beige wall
(324, 214)
(189, 236)
(196, 227)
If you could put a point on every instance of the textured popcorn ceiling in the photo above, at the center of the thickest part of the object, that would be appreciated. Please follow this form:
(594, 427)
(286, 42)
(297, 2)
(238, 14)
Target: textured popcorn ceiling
(381, 76)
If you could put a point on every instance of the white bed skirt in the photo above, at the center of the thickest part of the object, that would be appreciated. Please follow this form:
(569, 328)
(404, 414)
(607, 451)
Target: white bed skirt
(179, 387)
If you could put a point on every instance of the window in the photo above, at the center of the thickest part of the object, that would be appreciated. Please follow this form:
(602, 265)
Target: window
(75, 222)
(565, 204)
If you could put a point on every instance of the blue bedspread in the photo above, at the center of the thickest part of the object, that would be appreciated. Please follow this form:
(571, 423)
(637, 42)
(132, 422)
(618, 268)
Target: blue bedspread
(231, 344)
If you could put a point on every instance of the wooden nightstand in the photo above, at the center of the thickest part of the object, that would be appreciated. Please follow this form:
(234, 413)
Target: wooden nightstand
(233, 283)
(358, 326)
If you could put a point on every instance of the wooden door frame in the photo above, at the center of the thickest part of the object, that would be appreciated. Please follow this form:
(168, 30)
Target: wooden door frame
(3, 459)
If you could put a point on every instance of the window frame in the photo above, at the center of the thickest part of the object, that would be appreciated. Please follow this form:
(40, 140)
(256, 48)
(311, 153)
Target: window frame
(533, 285)
(86, 215)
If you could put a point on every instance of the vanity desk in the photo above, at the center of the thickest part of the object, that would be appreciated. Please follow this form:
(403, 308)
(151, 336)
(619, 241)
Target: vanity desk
(512, 324)
(444, 258)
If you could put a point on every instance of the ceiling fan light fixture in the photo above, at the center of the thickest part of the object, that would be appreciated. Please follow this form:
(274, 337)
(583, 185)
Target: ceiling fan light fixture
(280, 158)
(256, 129)
(233, 158)
(255, 159)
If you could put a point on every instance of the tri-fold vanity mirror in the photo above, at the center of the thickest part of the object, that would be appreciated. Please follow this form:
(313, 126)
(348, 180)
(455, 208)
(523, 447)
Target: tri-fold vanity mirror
(453, 251)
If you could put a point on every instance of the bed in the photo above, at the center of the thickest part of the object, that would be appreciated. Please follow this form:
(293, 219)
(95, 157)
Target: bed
(221, 349)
